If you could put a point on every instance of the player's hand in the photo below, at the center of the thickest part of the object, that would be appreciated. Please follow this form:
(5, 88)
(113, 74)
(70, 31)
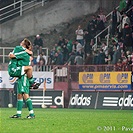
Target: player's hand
(11, 55)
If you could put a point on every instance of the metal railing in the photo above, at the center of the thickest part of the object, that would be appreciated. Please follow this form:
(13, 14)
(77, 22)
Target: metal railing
(18, 8)
(107, 36)
(106, 29)
(4, 51)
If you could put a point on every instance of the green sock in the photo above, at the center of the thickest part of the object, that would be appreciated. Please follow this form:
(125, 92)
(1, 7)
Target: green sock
(30, 107)
(19, 106)
(31, 81)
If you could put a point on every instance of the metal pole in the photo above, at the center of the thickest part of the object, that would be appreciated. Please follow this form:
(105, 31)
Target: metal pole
(21, 4)
(42, 2)
(3, 55)
(14, 3)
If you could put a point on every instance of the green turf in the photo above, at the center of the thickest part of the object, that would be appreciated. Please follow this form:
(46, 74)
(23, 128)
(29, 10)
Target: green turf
(67, 121)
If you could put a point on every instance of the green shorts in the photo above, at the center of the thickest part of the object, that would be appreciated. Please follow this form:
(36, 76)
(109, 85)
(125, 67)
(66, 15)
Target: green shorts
(15, 71)
(23, 85)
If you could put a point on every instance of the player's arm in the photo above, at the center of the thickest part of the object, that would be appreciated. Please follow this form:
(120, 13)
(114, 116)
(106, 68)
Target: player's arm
(20, 55)
(29, 52)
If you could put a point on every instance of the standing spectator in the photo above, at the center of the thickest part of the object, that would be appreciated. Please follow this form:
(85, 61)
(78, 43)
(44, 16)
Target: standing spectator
(115, 19)
(127, 36)
(122, 6)
(102, 16)
(69, 45)
(79, 35)
(125, 20)
(61, 41)
(99, 27)
(105, 48)
(88, 59)
(115, 56)
(65, 53)
(101, 57)
(95, 57)
(38, 44)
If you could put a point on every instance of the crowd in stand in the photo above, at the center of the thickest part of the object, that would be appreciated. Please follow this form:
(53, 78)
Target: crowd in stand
(80, 51)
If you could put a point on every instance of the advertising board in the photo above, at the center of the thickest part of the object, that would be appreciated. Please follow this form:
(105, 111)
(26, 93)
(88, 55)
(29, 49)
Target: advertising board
(105, 80)
(7, 82)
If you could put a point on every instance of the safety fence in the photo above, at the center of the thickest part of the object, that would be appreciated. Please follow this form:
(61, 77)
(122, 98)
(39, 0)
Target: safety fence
(116, 100)
(4, 51)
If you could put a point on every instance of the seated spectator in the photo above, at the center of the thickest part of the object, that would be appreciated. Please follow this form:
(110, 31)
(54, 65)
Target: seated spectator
(79, 47)
(71, 60)
(58, 58)
(38, 44)
(78, 59)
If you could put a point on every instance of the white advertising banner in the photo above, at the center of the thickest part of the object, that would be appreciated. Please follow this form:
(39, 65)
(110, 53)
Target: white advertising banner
(7, 82)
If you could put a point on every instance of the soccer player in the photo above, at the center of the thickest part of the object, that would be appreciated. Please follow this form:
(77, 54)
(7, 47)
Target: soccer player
(20, 60)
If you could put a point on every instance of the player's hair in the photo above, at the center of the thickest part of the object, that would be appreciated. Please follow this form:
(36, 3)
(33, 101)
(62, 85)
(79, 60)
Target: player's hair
(27, 43)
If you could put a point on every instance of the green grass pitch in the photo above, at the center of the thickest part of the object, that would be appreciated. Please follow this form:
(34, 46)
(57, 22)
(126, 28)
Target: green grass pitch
(67, 121)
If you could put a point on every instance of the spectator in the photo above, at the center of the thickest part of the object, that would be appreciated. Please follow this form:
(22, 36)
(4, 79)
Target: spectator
(105, 48)
(125, 20)
(115, 19)
(122, 6)
(71, 60)
(115, 56)
(79, 47)
(88, 59)
(95, 57)
(69, 45)
(107, 58)
(58, 58)
(79, 35)
(102, 16)
(65, 53)
(41, 62)
(38, 44)
(61, 41)
(101, 57)
(78, 59)
(127, 36)
(99, 27)
(91, 28)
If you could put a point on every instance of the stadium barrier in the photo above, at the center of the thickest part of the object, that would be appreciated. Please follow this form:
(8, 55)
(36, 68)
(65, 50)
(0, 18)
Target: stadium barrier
(48, 98)
(101, 100)
(4, 98)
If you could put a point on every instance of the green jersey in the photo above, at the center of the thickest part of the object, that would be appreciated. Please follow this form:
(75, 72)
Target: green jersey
(22, 59)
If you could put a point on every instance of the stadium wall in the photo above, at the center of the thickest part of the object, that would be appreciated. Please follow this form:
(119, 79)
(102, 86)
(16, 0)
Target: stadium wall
(50, 17)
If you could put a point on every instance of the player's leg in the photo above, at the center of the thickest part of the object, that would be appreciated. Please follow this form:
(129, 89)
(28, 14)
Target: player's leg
(28, 70)
(19, 106)
(27, 98)
(29, 105)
